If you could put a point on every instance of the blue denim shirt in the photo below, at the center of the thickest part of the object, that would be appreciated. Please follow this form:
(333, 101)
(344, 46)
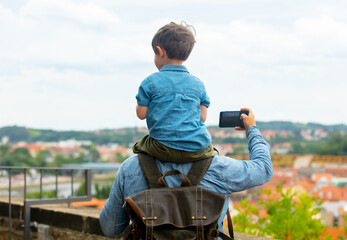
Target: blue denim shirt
(173, 97)
(225, 175)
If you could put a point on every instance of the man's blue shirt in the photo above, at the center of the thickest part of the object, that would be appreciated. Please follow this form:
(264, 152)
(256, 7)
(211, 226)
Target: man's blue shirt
(225, 175)
(173, 97)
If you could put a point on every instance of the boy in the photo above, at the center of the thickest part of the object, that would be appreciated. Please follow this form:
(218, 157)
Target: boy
(174, 102)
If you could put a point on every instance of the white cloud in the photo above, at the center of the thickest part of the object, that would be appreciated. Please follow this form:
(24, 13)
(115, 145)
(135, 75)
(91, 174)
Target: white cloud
(68, 99)
(86, 13)
(63, 62)
(323, 35)
(46, 33)
(258, 65)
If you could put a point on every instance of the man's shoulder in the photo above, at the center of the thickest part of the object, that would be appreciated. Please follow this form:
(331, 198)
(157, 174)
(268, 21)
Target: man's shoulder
(130, 166)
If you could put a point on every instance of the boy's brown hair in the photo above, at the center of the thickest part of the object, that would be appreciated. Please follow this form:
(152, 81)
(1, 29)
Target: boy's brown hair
(177, 40)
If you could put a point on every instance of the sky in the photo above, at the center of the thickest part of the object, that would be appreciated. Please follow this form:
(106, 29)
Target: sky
(77, 64)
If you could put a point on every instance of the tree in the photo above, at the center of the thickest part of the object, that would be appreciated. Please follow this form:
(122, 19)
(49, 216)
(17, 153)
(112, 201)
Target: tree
(94, 155)
(81, 190)
(42, 157)
(336, 144)
(240, 149)
(37, 194)
(344, 237)
(60, 159)
(120, 157)
(18, 157)
(288, 216)
(102, 192)
(297, 148)
(3, 151)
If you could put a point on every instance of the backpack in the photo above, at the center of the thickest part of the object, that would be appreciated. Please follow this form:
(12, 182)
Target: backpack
(186, 212)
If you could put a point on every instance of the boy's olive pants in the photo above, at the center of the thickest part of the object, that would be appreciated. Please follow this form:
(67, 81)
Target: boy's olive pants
(167, 154)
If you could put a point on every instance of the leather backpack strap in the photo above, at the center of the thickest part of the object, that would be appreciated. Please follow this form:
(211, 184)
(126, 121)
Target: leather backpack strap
(230, 228)
(152, 173)
(126, 234)
(149, 219)
(198, 170)
(184, 183)
(224, 236)
(230, 225)
(150, 169)
(199, 218)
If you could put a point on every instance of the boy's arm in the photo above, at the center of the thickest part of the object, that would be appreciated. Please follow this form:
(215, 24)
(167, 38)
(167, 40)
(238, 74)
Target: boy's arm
(143, 98)
(203, 112)
(204, 104)
(141, 112)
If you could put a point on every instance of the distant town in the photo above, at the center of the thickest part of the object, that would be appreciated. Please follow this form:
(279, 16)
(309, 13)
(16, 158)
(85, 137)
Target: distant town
(307, 158)
(114, 145)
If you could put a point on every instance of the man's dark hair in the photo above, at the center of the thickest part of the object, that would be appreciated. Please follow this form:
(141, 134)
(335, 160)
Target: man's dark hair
(176, 39)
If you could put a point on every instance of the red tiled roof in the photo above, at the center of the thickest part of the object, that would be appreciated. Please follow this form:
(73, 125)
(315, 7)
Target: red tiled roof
(335, 232)
(317, 176)
(332, 193)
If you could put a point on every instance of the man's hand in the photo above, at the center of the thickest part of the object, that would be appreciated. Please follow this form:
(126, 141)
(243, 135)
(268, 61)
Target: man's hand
(248, 121)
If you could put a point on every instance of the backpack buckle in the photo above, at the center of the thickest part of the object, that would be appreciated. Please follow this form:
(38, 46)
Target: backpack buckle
(199, 218)
(149, 218)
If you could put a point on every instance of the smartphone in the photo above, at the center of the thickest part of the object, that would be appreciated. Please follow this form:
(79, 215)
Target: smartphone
(231, 118)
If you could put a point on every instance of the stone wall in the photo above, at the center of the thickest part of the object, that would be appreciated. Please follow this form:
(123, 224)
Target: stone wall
(64, 222)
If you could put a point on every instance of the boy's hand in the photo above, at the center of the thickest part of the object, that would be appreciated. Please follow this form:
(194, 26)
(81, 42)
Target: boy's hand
(248, 121)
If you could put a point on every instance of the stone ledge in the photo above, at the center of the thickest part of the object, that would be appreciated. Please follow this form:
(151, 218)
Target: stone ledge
(79, 223)
(81, 219)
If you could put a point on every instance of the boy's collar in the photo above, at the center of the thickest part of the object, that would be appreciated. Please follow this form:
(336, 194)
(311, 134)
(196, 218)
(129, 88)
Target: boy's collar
(170, 67)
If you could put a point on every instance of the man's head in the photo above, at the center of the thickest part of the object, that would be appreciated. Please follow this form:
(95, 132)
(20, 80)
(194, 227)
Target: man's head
(177, 40)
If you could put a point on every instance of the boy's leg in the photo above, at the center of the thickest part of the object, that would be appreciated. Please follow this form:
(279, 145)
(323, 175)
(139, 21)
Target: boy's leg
(167, 154)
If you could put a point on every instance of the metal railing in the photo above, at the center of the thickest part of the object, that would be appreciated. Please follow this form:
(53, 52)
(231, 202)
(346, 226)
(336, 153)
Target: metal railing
(30, 202)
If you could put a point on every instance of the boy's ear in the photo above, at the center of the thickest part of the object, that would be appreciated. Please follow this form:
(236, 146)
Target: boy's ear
(161, 51)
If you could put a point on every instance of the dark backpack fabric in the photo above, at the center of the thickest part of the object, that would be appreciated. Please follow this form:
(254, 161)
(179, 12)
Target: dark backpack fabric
(186, 212)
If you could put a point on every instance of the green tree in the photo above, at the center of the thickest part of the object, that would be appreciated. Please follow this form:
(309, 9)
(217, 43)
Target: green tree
(102, 192)
(37, 194)
(18, 157)
(3, 151)
(60, 159)
(297, 148)
(94, 155)
(81, 190)
(245, 221)
(41, 158)
(240, 149)
(344, 237)
(336, 144)
(289, 216)
(120, 157)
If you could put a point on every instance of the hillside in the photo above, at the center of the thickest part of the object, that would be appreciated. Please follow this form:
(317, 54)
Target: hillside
(126, 135)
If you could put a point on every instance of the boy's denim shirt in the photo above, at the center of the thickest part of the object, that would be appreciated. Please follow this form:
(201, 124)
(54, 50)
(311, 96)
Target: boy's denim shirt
(173, 97)
(225, 175)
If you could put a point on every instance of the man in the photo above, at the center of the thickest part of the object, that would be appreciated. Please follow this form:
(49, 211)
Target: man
(225, 175)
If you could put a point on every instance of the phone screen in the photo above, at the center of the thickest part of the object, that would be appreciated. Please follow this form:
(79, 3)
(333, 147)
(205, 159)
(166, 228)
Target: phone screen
(231, 119)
